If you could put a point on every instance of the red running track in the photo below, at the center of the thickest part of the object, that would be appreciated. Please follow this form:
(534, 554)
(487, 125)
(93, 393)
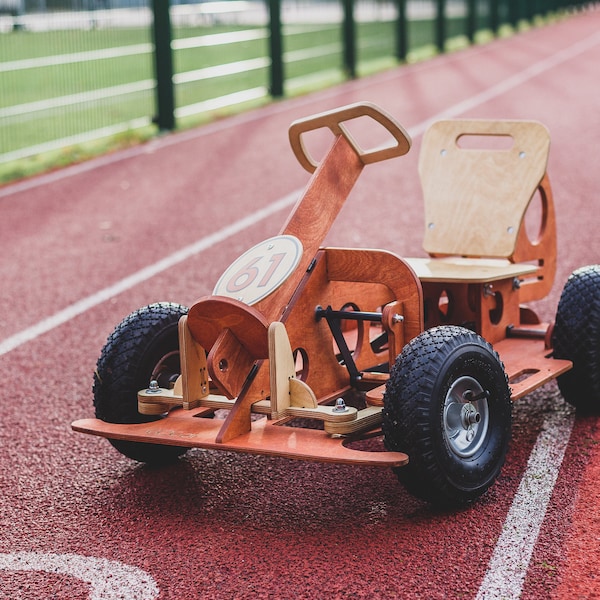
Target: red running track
(85, 246)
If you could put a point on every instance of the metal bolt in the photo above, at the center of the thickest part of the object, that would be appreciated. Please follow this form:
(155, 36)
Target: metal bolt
(469, 416)
(516, 283)
(488, 290)
(340, 406)
(397, 318)
(153, 388)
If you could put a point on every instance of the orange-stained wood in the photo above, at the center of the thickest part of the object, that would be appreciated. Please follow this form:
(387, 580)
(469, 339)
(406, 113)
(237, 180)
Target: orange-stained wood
(210, 315)
(236, 336)
(313, 216)
(528, 365)
(540, 250)
(181, 428)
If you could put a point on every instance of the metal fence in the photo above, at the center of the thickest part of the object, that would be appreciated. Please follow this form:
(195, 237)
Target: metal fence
(72, 71)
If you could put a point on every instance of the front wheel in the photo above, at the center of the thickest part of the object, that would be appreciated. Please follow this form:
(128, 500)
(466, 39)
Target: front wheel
(143, 347)
(447, 405)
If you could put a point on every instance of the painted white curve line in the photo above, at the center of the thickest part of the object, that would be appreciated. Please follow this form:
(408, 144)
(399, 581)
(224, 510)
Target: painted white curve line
(108, 579)
(508, 566)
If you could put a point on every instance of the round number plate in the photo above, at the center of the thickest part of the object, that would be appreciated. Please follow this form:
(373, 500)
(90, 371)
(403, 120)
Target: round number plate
(260, 270)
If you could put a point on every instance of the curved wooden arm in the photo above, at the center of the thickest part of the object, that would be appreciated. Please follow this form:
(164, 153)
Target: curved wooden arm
(334, 119)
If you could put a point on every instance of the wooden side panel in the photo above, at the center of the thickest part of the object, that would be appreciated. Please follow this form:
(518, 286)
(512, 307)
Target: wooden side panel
(486, 310)
(385, 268)
(540, 249)
(367, 280)
(312, 339)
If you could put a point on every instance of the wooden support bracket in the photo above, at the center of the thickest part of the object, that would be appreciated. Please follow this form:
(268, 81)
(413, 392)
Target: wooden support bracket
(194, 372)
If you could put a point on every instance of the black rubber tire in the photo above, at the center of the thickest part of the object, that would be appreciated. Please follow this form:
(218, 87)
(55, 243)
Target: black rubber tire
(143, 342)
(424, 407)
(576, 337)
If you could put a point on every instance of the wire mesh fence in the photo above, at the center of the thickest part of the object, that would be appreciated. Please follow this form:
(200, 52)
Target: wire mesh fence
(73, 71)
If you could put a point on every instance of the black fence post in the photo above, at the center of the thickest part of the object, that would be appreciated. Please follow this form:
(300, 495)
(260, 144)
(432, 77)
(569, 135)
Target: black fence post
(513, 12)
(471, 19)
(401, 32)
(163, 65)
(494, 16)
(440, 25)
(349, 39)
(276, 49)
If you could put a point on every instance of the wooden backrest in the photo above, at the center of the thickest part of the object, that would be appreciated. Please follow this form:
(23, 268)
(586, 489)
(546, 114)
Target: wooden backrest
(478, 179)
(476, 197)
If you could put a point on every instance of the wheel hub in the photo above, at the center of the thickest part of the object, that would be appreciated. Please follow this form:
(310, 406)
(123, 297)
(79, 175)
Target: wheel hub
(465, 416)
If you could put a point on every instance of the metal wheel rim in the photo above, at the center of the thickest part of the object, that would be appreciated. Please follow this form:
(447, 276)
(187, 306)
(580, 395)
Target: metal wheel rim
(465, 420)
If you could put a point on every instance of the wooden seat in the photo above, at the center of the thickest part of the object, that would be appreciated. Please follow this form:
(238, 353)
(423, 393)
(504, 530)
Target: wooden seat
(479, 178)
(471, 270)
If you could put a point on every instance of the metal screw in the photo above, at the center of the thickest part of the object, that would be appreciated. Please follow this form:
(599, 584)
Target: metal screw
(516, 283)
(488, 290)
(397, 318)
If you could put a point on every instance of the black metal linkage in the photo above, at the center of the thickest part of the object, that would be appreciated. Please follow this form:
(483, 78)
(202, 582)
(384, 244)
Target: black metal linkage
(334, 319)
(348, 315)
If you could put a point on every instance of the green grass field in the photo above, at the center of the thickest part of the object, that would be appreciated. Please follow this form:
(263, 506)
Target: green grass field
(61, 85)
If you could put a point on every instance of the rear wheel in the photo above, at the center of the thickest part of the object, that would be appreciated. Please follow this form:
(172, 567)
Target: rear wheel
(143, 347)
(447, 405)
(576, 337)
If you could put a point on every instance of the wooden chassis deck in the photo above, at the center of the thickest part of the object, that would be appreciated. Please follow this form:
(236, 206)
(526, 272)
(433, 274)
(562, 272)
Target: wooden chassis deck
(182, 428)
(527, 362)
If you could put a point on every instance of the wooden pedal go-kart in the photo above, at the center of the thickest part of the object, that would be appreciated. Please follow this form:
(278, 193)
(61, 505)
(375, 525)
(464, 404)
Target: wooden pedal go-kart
(316, 353)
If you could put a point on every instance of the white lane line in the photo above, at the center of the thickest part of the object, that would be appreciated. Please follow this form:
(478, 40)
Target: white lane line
(509, 563)
(515, 80)
(90, 302)
(203, 41)
(142, 275)
(63, 59)
(79, 98)
(108, 579)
